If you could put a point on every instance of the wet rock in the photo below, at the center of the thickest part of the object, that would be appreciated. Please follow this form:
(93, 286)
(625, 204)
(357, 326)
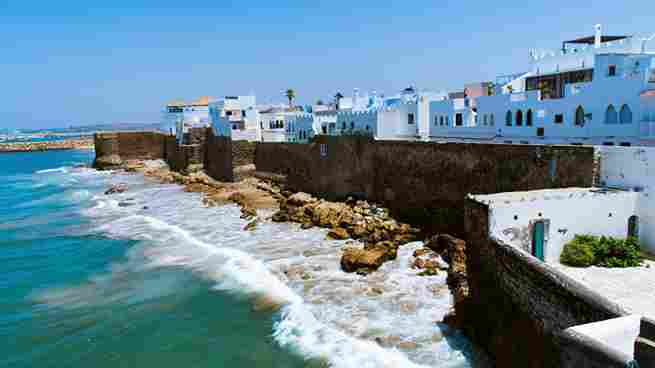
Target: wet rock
(116, 188)
(338, 233)
(251, 226)
(306, 225)
(390, 249)
(108, 162)
(363, 260)
(280, 216)
(332, 214)
(407, 345)
(359, 231)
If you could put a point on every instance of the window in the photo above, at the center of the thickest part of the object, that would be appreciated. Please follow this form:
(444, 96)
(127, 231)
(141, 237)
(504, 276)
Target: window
(625, 144)
(324, 129)
(368, 128)
(540, 132)
(508, 118)
(611, 70)
(579, 116)
(441, 120)
(228, 113)
(447, 120)
(608, 143)
(436, 120)
(484, 119)
(559, 118)
(611, 116)
(410, 118)
(492, 119)
(528, 118)
(352, 125)
(626, 115)
(633, 227)
(459, 120)
(519, 118)
(343, 126)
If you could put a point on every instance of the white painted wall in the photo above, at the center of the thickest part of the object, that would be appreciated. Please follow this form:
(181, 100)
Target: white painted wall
(633, 168)
(567, 212)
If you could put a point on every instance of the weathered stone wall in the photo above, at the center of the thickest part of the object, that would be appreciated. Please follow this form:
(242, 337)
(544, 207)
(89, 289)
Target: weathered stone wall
(424, 183)
(218, 157)
(518, 306)
(243, 153)
(114, 148)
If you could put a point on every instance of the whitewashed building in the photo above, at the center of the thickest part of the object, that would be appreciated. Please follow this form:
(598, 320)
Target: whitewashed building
(274, 123)
(597, 90)
(238, 114)
(180, 116)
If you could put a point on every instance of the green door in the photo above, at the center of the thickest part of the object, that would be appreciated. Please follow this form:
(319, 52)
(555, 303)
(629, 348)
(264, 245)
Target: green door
(538, 240)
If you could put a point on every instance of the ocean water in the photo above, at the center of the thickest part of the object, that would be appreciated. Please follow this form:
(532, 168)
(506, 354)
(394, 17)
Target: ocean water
(151, 277)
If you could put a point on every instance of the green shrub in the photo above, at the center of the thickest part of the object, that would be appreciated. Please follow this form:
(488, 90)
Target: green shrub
(578, 252)
(587, 250)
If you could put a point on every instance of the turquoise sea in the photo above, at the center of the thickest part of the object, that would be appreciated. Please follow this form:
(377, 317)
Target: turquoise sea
(152, 278)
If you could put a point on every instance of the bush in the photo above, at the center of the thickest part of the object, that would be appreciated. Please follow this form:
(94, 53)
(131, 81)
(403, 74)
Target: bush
(578, 252)
(587, 250)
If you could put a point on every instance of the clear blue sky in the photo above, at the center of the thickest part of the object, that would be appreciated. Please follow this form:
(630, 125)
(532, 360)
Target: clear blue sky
(73, 62)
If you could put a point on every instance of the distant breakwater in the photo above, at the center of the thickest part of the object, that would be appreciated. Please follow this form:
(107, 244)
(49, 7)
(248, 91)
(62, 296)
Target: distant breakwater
(46, 146)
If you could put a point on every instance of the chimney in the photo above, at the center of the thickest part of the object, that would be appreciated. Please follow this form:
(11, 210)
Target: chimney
(598, 38)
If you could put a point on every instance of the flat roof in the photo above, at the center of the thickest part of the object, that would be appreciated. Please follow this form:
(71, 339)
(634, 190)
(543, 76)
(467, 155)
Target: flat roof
(543, 195)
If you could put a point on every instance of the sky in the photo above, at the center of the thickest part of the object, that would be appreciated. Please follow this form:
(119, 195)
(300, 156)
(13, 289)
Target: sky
(72, 62)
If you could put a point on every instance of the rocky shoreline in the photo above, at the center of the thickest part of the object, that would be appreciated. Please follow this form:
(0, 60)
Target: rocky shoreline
(67, 144)
(372, 235)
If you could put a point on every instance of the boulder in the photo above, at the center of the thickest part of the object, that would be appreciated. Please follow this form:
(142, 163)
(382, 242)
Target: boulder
(338, 233)
(300, 199)
(251, 226)
(358, 231)
(280, 216)
(116, 188)
(108, 162)
(357, 260)
(331, 214)
(390, 249)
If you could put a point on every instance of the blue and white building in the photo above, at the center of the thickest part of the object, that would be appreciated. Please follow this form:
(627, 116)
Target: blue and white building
(597, 90)
(179, 116)
(236, 117)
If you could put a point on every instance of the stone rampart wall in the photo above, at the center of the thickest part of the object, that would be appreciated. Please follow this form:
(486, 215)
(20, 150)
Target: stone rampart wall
(424, 183)
(218, 157)
(112, 149)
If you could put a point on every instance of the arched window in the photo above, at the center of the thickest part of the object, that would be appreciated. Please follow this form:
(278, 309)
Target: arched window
(343, 125)
(352, 125)
(508, 118)
(626, 115)
(441, 120)
(519, 118)
(611, 116)
(579, 116)
(528, 118)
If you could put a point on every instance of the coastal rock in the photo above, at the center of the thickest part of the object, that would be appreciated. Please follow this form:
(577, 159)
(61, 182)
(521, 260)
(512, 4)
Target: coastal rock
(390, 249)
(300, 199)
(338, 233)
(108, 162)
(363, 260)
(116, 189)
(251, 226)
(280, 216)
(331, 214)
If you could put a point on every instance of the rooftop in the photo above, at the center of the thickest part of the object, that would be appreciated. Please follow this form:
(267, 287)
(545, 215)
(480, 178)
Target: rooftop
(543, 195)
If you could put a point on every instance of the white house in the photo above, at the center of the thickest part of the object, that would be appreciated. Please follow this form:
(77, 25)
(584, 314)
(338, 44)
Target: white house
(273, 123)
(180, 116)
(597, 90)
(237, 114)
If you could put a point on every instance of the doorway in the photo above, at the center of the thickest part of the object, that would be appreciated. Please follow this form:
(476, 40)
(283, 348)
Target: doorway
(538, 236)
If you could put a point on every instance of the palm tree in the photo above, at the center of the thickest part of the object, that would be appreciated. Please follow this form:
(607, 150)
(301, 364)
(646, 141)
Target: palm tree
(291, 95)
(337, 99)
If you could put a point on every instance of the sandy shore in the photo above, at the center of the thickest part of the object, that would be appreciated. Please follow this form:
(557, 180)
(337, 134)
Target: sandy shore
(47, 146)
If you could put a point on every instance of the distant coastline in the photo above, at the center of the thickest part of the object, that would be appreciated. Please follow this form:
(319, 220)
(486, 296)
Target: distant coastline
(30, 146)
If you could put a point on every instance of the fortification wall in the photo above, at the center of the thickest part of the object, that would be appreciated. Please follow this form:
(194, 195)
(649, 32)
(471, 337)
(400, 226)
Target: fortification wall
(218, 157)
(424, 183)
(112, 149)
(519, 307)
